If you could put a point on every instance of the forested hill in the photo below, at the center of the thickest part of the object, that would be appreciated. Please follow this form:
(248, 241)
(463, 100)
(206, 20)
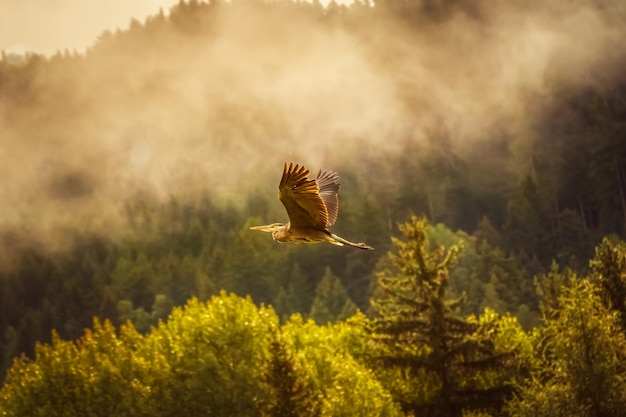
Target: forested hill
(131, 173)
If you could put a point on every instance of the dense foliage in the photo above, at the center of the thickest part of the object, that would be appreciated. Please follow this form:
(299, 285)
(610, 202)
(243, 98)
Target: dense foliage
(219, 358)
(418, 355)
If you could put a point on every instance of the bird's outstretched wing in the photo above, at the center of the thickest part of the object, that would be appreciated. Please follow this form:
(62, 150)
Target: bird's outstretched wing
(328, 182)
(301, 197)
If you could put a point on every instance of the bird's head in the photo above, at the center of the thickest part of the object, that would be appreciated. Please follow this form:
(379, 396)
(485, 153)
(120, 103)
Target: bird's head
(272, 228)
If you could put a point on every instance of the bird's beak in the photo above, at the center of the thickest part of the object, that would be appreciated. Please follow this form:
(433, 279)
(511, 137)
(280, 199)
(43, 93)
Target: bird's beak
(262, 228)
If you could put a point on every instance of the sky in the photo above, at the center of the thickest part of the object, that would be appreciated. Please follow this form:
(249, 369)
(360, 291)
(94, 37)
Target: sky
(47, 26)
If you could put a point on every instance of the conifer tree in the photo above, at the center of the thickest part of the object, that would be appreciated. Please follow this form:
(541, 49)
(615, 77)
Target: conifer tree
(419, 330)
(286, 302)
(290, 397)
(331, 301)
(526, 228)
(581, 353)
(290, 297)
(609, 273)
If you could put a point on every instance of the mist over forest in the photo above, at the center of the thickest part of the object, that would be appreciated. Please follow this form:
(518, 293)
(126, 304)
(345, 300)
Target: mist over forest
(131, 172)
(204, 98)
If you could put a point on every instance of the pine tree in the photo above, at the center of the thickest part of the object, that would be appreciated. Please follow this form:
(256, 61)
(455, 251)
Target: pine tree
(526, 228)
(331, 301)
(419, 329)
(492, 299)
(289, 395)
(609, 273)
(293, 294)
(574, 243)
(286, 302)
(581, 353)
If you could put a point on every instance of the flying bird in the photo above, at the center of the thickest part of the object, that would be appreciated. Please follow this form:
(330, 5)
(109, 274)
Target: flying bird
(312, 207)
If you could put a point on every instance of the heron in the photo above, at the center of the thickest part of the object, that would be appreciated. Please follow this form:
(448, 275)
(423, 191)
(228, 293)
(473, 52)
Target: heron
(312, 206)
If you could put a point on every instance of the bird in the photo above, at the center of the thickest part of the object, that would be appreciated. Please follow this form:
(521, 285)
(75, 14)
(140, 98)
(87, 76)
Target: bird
(312, 206)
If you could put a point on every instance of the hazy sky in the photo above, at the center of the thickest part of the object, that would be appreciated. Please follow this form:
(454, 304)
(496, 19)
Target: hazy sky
(46, 26)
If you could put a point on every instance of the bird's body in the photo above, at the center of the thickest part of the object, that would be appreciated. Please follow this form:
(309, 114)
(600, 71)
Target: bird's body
(312, 206)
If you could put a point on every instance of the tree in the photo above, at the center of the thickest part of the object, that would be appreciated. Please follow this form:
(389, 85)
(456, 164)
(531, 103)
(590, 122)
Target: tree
(609, 274)
(606, 166)
(484, 273)
(526, 227)
(290, 394)
(574, 239)
(331, 301)
(332, 356)
(582, 355)
(292, 294)
(98, 375)
(505, 284)
(419, 330)
(9, 349)
(133, 279)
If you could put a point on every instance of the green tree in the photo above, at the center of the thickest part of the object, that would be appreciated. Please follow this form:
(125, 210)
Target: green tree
(606, 166)
(419, 330)
(293, 294)
(582, 356)
(133, 279)
(609, 273)
(9, 349)
(290, 395)
(526, 227)
(286, 302)
(492, 299)
(330, 355)
(217, 353)
(98, 375)
(574, 239)
(505, 283)
(331, 301)
(484, 273)
(550, 287)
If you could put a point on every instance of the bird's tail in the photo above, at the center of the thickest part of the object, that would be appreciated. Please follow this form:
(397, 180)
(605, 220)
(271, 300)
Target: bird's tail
(338, 240)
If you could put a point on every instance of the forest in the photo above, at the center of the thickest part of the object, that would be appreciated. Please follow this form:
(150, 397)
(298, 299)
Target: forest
(482, 152)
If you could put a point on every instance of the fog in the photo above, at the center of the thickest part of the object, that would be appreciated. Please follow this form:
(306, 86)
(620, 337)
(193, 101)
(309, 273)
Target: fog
(167, 111)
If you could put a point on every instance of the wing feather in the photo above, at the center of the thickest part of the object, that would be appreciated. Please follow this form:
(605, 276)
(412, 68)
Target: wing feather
(301, 197)
(328, 181)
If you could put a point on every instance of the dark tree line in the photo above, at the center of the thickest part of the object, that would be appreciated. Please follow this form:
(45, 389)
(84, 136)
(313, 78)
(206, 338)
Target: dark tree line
(418, 354)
